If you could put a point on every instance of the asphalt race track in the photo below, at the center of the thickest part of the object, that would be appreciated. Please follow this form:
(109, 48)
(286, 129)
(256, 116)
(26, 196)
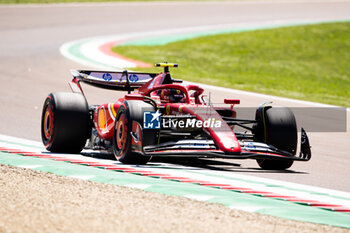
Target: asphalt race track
(31, 66)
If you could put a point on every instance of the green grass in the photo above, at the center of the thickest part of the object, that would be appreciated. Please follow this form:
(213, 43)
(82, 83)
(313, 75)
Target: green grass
(304, 62)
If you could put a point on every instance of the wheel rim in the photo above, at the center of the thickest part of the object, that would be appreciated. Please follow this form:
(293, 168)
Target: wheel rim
(48, 123)
(121, 135)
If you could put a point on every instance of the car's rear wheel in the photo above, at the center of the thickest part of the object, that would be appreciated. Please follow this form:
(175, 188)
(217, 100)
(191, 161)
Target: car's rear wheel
(129, 112)
(276, 126)
(65, 122)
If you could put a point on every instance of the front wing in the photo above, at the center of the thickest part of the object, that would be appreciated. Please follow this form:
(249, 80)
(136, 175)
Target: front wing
(206, 148)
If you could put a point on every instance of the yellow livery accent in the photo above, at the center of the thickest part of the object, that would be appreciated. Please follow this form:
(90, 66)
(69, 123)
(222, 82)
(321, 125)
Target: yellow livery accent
(113, 110)
(166, 65)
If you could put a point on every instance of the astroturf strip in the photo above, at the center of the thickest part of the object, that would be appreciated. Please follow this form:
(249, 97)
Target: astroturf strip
(229, 178)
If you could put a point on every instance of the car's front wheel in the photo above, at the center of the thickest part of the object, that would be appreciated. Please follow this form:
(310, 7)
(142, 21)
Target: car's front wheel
(129, 114)
(276, 126)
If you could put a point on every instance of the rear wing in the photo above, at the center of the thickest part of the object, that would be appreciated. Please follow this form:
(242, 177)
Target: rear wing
(122, 81)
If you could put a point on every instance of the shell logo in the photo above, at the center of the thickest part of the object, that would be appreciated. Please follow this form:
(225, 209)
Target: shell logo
(102, 122)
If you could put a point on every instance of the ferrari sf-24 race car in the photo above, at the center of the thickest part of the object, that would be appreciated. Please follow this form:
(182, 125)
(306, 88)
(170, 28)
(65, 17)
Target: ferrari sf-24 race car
(159, 116)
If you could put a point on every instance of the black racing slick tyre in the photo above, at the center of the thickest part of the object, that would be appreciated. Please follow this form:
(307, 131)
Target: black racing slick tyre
(65, 122)
(276, 126)
(128, 112)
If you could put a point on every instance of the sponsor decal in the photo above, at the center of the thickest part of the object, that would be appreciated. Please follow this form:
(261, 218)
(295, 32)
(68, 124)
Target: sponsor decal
(107, 77)
(250, 146)
(151, 120)
(191, 123)
(133, 78)
(102, 119)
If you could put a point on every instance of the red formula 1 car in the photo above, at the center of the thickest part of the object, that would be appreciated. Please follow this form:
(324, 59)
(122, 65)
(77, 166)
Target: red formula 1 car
(163, 117)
